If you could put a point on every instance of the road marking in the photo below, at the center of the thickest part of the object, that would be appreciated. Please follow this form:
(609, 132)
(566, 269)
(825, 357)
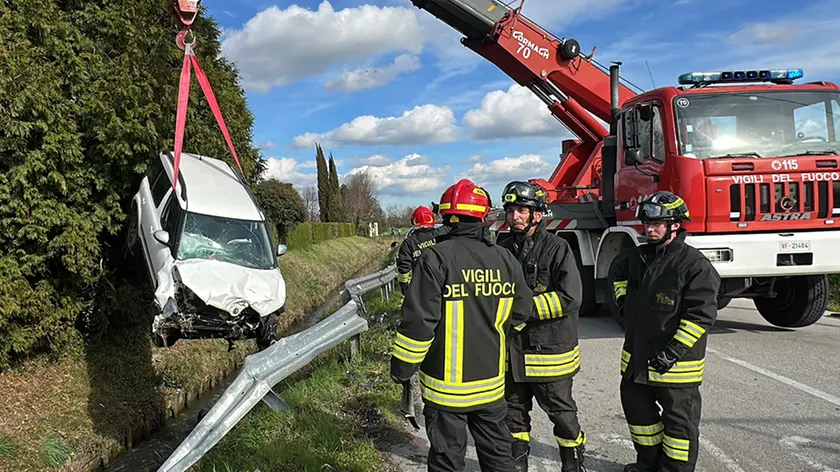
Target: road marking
(792, 443)
(793, 383)
(718, 454)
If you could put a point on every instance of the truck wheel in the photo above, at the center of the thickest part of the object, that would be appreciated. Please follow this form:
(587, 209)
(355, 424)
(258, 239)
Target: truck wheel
(610, 303)
(723, 302)
(800, 301)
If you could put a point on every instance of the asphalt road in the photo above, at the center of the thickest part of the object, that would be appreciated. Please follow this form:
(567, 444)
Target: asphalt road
(771, 400)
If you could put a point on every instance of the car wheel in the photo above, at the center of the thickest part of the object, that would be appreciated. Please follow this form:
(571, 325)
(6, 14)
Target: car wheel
(267, 331)
(165, 338)
(131, 231)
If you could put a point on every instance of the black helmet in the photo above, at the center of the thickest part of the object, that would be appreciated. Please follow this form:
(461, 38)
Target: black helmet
(663, 205)
(524, 194)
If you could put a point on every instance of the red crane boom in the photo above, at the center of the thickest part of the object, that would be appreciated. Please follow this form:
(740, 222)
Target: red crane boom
(571, 85)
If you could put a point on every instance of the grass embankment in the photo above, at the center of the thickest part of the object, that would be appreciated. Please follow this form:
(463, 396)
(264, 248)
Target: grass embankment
(339, 412)
(834, 298)
(70, 409)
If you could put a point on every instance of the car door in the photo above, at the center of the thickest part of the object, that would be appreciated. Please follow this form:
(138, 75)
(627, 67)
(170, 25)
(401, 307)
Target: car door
(153, 206)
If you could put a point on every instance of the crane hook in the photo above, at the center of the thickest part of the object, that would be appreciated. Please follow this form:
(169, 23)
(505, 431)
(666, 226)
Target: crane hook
(185, 13)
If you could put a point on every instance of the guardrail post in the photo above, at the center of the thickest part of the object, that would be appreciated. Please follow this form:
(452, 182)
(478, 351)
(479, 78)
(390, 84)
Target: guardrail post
(355, 347)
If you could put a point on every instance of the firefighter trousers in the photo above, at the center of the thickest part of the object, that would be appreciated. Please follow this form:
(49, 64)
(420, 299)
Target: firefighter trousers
(447, 432)
(666, 442)
(555, 398)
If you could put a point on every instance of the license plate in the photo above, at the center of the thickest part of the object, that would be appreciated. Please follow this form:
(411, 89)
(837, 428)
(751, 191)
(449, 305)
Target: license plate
(794, 246)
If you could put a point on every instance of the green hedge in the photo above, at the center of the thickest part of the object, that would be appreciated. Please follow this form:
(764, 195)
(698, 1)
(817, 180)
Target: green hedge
(306, 234)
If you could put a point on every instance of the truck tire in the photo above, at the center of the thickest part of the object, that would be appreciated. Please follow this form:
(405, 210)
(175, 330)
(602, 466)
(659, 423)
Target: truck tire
(723, 302)
(610, 303)
(800, 301)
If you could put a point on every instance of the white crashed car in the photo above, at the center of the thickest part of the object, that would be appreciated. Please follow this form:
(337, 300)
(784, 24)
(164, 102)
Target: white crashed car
(208, 251)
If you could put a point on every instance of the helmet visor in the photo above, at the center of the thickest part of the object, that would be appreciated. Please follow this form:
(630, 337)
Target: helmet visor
(647, 211)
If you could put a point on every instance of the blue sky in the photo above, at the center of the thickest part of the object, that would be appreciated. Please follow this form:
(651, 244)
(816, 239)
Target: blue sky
(387, 88)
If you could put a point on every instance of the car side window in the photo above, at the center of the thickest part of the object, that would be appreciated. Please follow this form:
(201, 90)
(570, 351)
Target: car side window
(159, 188)
(170, 216)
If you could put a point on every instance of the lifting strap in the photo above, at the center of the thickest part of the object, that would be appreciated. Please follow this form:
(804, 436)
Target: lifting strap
(185, 13)
(183, 100)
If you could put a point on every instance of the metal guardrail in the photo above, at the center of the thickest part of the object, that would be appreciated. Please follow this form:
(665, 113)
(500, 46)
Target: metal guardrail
(263, 370)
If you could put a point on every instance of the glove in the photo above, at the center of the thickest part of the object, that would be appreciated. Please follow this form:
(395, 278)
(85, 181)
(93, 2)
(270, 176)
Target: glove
(666, 358)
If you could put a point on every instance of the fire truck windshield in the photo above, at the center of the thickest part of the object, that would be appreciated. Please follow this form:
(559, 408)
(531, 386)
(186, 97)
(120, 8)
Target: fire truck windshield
(758, 124)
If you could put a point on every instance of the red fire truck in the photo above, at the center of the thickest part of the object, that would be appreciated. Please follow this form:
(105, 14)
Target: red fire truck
(754, 154)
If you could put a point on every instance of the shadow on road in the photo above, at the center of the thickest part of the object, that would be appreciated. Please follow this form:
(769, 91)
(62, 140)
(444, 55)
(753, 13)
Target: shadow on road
(551, 454)
(724, 326)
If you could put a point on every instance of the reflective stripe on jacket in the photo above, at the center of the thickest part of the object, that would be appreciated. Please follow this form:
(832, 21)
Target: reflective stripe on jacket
(665, 293)
(464, 295)
(546, 348)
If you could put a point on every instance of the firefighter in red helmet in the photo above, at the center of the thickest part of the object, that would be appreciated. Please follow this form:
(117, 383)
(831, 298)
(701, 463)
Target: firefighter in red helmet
(421, 237)
(464, 295)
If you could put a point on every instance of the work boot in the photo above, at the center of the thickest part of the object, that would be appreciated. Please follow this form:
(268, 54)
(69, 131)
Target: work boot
(572, 458)
(520, 451)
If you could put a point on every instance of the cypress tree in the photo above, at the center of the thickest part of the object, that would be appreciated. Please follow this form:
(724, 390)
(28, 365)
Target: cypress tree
(324, 191)
(336, 206)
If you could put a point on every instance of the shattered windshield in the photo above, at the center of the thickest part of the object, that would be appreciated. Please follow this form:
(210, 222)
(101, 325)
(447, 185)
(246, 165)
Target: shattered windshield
(240, 242)
(758, 124)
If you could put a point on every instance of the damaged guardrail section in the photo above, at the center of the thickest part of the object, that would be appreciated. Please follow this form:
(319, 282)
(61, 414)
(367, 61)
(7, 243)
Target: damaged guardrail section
(263, 370)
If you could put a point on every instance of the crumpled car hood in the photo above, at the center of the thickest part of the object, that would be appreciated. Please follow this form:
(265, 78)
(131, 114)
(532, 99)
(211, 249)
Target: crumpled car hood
(226, 286)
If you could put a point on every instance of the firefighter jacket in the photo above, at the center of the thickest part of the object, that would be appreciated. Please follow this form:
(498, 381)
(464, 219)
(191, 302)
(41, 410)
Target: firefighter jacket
(465, 294)
(546, 348)
(412, 246)
(666, 294)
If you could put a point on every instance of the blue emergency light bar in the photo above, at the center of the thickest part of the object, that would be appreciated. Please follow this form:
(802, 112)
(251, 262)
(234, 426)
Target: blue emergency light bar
(776, 75)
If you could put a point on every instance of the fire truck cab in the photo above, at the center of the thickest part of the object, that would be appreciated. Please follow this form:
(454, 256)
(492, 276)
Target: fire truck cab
(755, 156)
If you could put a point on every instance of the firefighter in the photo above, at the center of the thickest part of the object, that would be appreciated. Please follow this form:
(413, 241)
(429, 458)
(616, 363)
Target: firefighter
(421, 238)
(465, 294)
(666, 291)
(544, 354)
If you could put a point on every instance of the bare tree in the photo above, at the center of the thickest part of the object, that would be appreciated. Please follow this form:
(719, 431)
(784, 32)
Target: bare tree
(310, 201)
(397, 216)
(361, 199)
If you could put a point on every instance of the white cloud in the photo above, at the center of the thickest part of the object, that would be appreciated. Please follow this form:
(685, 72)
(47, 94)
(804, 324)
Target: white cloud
(410, 175)
(512, 113)
(473, 158)
(766, 33)
(268, 145)
(287, 170)
(278, 46)
(373, 77)
(424, 124)
(778, 44)
(376, 160)
(502, 171)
